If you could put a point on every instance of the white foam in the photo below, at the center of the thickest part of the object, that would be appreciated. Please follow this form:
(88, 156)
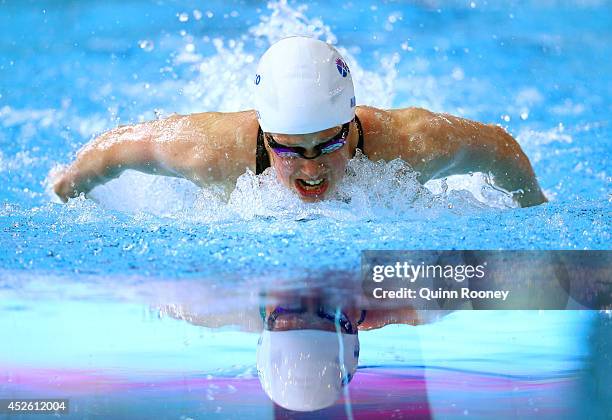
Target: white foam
(369, 191)
(532, 138)
(134, 192)
(224, 81)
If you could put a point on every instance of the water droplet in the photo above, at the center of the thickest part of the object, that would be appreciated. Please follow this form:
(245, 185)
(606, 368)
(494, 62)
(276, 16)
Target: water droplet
(457, 74)
(506, 118)
(183, 17)
(146, 45)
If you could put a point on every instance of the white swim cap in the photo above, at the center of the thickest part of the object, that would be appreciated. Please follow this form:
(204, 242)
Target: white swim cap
(303, 85)
(300, 369)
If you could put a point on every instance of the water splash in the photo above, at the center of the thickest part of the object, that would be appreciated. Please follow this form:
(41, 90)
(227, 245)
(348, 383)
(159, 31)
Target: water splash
(234, 63)
(369, 191)
(286, 20)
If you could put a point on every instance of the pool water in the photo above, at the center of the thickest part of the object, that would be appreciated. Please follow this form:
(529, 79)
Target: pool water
(84, 281)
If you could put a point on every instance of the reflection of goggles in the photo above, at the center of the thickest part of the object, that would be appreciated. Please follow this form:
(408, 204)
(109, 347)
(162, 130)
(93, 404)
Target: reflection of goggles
(329, 146)
(345, 324)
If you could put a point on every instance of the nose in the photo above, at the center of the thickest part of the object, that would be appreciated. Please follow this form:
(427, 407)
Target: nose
(311, 168)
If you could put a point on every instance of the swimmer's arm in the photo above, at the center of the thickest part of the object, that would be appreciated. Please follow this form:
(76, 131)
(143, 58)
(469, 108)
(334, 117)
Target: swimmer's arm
(199, 147)
(378, 318)
(105, 158)
(246, 319)
(448, 145)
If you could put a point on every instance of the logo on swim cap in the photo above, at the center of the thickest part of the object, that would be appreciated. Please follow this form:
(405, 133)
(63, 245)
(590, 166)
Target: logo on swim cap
(257, 79)
(342, 67)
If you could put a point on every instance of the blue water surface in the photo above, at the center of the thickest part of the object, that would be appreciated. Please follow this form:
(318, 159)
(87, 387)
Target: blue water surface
(541, 71)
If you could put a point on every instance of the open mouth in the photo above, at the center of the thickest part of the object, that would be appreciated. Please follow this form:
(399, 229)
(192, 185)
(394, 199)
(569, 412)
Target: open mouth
(311, 187)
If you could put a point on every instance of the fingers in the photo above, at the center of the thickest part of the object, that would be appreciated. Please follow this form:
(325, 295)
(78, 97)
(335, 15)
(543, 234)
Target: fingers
(65, 187)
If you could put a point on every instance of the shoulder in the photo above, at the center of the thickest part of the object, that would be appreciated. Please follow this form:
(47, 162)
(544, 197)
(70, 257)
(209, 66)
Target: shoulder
(224, 122)
(233, 132)
(387, 132)
(389, 121)
(210, 145)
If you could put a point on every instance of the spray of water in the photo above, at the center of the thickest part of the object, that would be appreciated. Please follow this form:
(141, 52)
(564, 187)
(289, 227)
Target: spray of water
(369, 191)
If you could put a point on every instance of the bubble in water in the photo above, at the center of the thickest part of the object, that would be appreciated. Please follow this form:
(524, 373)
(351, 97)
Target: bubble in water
(183, 17)
(394, 17)
(197, 15)
(406, 47)
(458, 74)
(146, 45)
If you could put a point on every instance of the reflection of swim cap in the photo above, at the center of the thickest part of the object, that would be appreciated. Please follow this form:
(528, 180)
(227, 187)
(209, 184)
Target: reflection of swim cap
(303, 85)
(300, 369)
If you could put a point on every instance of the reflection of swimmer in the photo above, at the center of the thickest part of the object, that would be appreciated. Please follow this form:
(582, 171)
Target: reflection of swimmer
(308, 352)
(309, 345)
(307, 127)
(304, 368)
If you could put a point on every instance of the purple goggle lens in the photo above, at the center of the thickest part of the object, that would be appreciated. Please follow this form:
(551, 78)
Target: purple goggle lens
(331, 145)
(345, 325)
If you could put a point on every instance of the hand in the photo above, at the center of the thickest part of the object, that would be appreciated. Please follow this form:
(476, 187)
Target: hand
(63, 183)
(64, 189)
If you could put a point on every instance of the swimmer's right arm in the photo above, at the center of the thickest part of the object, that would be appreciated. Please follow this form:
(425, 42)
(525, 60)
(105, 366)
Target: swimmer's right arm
(104, 158)
(202, 148)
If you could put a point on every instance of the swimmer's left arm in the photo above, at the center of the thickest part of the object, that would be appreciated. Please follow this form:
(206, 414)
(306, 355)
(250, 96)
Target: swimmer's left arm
(442, 145)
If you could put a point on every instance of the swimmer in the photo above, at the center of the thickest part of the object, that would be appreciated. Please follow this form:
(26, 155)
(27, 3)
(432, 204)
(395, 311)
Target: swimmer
(305, 125)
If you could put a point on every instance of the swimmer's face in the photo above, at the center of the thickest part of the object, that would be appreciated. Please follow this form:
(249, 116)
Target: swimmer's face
(308, 316)
(311, 179)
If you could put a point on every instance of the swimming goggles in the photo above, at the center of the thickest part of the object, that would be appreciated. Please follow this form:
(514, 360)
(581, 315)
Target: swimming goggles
(331, 145)
(345, 324)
